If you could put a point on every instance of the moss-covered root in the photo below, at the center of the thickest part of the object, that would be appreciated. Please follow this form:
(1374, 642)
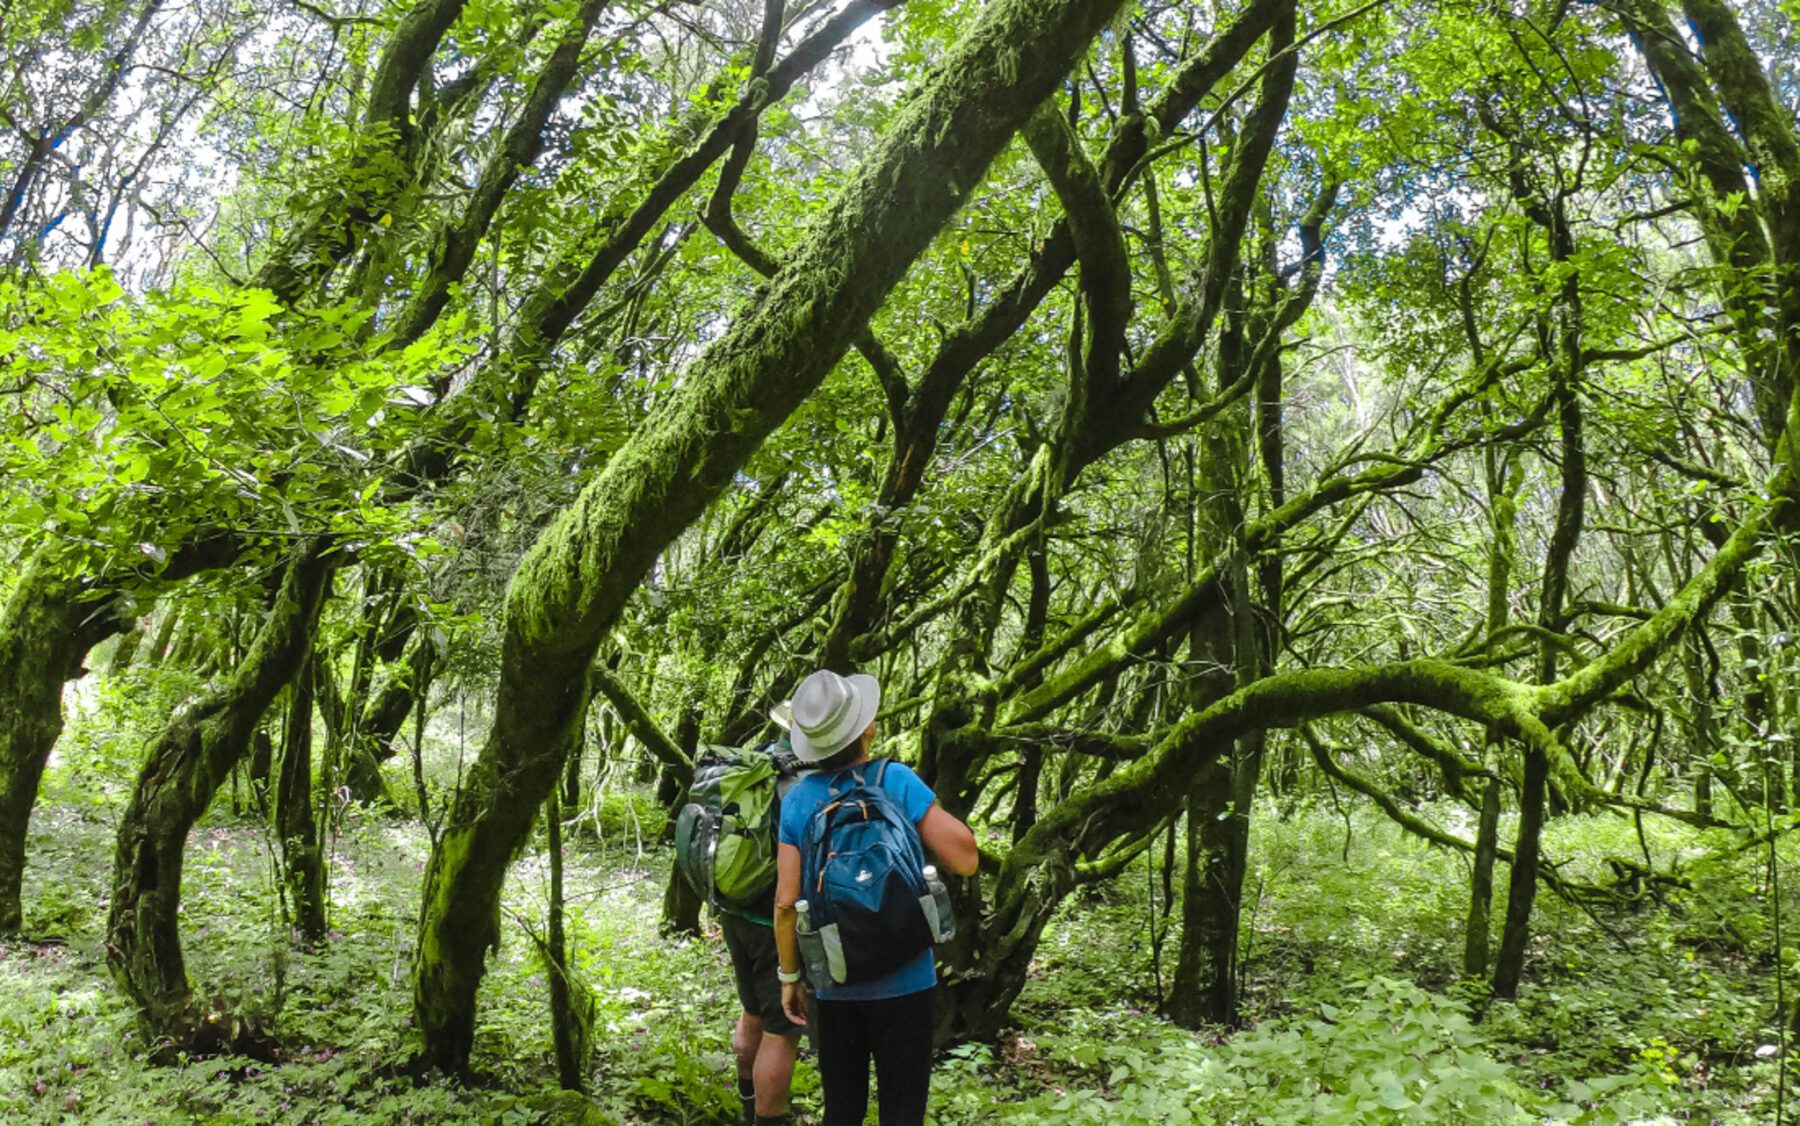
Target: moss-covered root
(183, 768)
(45, 633)
(572, 584)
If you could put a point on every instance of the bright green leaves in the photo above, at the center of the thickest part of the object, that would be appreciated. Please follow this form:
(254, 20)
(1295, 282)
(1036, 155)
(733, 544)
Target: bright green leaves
(143, 422)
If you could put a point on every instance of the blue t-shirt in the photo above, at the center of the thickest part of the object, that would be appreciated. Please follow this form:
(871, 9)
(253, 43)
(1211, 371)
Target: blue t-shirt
(915, 799)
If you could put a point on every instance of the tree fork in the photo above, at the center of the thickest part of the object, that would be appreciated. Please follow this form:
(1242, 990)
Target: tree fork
(861, 602)
(183, 768)
(383, 156)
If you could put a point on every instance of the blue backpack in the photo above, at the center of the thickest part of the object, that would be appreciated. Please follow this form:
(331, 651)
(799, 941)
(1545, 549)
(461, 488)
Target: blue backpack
(863, 877)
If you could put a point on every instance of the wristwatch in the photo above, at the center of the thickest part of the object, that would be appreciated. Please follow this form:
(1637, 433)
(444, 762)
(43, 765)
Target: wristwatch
(785, 977)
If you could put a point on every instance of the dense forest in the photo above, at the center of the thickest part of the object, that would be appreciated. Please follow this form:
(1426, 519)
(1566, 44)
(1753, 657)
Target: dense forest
(1311, 476)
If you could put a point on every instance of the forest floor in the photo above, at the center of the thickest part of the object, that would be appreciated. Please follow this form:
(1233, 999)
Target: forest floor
(1657, 1012)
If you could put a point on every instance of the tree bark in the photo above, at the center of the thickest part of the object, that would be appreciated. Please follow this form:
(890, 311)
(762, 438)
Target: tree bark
(571, 1015)
(1481, 885)
(1515, 935)
(262, 758)
(1503, 481)
(1205, 984)
(184, 767)
(1031, 758)
(302, 857)
(47, 631)
(1218, 822)
(681, 903)
(165, 633)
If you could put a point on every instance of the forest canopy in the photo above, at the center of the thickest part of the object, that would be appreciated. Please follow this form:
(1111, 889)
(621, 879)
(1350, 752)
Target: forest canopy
(1315, 480)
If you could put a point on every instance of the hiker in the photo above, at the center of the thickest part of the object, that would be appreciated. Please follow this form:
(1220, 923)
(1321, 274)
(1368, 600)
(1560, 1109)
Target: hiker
(725, 846)
(886, 1017)
(764, 1040)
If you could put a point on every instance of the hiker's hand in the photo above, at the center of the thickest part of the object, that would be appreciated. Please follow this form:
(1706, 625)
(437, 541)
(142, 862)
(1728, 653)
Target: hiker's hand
(793, 1001)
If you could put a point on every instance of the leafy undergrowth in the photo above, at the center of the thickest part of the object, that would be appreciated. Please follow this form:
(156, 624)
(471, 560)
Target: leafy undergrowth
(69, 1050)
(1655, 1014)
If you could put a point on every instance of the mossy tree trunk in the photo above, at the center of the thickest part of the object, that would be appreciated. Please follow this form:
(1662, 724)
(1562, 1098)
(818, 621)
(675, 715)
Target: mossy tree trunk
(1204, 987)
(1220, 807)
(381, 712)
(1503, 480)
(165, 634)
(183, 768)
(1031, 759)
(1702, 725)
(1222, 656)
(681, 903)
(48, 628)
(1541, 194)
(574, 582)
(302, 856)
(1244, 635)
(570, 1022)
(1476, 930)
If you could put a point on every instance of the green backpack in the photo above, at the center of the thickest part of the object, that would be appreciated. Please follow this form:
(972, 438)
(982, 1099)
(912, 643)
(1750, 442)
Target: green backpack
(725, 834)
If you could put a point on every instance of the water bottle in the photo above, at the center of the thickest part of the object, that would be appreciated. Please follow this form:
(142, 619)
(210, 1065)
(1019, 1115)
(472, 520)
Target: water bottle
(812, 946)
(937, 906)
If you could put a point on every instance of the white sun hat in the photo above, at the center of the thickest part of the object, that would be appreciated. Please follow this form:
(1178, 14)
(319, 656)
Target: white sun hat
(830, 711)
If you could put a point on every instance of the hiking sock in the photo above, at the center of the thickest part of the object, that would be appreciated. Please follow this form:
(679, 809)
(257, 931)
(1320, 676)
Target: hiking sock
(747, 1096)
(774, 1120)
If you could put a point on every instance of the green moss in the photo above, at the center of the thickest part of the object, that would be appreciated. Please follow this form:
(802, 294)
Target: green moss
(48, 626)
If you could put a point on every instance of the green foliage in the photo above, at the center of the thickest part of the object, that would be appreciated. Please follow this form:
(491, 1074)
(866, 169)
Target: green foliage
(1391, 1053)
(152, 419)
(1612, 1035)
(1635, 1015)
(103, 742)
(150, 413)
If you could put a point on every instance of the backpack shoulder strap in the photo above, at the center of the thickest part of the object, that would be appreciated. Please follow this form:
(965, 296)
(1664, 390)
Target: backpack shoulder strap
(835, 782)
(881, 766)
(842, 780)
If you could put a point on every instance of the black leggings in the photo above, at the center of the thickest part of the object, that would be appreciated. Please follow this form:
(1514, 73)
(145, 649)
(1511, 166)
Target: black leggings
(896, 1033)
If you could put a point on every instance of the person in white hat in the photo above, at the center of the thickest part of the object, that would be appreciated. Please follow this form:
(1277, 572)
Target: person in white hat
(886, 1021)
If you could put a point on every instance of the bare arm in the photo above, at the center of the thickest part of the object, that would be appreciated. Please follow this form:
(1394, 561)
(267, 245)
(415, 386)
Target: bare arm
(951, 841)
(787, 942)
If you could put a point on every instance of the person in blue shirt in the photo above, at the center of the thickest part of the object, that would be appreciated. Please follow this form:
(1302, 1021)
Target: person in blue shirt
(886, 1020)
